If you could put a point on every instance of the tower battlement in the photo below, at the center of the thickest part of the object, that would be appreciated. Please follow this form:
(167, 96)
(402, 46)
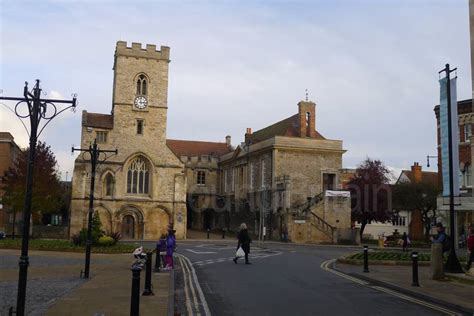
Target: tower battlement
(136, 50)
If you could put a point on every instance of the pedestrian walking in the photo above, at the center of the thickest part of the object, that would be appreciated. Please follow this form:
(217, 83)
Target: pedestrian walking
(243, 242)
(470, 247)
(405, 242)
(170, 248)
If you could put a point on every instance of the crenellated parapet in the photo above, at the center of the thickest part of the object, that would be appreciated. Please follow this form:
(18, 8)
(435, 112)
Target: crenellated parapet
(136, 50)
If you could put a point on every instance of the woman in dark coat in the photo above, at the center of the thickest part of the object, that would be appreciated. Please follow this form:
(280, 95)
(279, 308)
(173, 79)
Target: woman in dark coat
(244, 242)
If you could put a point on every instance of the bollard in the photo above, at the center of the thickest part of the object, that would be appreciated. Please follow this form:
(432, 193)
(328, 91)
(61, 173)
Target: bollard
(366, 258)
(436, 264)
(135, 300)
(208, 230)
(414, 258)
(148, 287)
(157, 260)
(223, 233)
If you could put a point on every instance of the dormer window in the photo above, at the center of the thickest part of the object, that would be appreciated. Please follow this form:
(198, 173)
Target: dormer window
(141, 85)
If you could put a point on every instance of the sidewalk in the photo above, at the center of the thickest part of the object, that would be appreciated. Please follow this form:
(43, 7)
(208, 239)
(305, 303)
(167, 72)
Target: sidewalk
(107, 292)
(446, 292)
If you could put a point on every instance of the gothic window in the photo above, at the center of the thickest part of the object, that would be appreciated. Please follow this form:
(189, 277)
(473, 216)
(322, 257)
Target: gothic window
(467, 133)
(142, 85)
(109, 185)
(138, 177)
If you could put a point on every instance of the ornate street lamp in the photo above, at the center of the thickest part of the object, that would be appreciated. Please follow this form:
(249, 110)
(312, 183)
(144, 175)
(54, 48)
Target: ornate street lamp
(95, 156)
(32, 106)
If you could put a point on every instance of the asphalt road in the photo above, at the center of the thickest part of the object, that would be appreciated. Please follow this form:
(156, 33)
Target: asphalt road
(285, 280)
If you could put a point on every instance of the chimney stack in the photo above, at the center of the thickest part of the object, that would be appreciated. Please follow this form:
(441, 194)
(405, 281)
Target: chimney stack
(248, 132)
(416, 171)
(228, 141)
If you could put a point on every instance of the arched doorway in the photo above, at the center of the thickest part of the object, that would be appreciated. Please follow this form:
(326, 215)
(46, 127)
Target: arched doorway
(128, 227)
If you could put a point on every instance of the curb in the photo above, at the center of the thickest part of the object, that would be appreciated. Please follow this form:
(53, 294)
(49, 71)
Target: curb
(424, 297)
(171, 301)
(382, 262)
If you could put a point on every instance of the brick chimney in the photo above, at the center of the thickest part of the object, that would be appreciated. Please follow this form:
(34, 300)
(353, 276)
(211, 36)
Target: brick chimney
(416, 171)
(248, 132)
(307, 119)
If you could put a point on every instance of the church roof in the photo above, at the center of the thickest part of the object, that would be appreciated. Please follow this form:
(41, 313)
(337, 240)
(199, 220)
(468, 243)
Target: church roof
(196, 148)
(98, 120)
(286, 127)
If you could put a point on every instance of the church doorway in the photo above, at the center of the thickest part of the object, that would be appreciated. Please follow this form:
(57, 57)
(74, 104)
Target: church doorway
(128, 227)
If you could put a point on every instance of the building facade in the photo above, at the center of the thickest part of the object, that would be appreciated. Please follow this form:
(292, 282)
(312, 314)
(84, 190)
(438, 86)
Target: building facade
(464, 204)
(274, 181)
(9, 152)
(141, 190)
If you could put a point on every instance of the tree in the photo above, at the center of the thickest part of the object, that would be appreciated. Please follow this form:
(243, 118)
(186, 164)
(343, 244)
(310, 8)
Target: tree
(370, 193)
(47, 191)
(417, 196)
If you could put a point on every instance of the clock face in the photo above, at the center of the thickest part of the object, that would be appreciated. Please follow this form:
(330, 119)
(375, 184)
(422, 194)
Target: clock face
(140, 102)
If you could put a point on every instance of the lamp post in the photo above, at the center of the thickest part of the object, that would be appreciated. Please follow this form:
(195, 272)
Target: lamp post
(94, 157)
(37, 110)
(452, 265)
(428, 160)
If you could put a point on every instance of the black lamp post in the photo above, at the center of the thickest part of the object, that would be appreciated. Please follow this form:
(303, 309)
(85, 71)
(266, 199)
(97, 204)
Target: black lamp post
(452, 265)
(37, 109)
(92, 154)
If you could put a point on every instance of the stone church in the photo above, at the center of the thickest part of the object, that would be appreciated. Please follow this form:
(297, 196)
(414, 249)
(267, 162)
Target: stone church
(283, 177)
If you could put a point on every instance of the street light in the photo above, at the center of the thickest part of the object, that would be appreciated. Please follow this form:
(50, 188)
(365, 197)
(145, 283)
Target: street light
(94, 157)
(38, 109)
(428, 160)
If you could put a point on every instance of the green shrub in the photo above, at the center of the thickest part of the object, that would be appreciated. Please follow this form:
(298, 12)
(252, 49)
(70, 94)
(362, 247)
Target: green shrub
(106, 241)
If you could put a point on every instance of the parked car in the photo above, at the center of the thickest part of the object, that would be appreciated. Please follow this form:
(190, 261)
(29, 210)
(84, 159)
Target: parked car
(2, 235)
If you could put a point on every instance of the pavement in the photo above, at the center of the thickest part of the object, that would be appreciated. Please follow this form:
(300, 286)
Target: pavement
(54, 286)
(448, 292)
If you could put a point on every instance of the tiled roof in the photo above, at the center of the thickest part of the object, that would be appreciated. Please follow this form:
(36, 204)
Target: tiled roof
(427, 177)
(196, 148)
(286, 127)
(98, 120)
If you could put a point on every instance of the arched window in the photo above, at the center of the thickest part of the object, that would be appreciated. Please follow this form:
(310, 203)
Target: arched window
(109, 185)
(138, 177)
(141, 85)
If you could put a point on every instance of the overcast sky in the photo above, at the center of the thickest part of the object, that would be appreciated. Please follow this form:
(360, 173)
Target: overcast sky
(370, 66)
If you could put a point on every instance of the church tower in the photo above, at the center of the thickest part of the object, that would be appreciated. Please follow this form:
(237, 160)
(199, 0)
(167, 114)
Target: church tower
(140, 90)
(140, 192)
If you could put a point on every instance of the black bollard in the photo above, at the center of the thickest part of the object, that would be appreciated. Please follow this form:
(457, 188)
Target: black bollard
(223, 233)
(366, 258)
(414, 258)
(157, 260)
(148, 287)
(135, 301)
(208, 230)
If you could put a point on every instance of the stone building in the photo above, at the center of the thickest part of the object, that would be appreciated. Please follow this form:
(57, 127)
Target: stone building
(9, 152)
(142, 189)
(275, 179)
(278, 178)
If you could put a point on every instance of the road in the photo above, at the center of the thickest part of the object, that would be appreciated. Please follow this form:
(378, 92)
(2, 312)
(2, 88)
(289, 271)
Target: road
(283, 279)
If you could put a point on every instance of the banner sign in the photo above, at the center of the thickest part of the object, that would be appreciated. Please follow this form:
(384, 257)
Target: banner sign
(444, 133)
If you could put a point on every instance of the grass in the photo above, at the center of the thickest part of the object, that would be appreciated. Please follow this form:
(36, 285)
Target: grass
(380, 255)
(63, 245)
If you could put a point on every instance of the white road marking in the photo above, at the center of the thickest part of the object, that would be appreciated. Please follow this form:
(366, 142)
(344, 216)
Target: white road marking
(325, 266)
(200, 252)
